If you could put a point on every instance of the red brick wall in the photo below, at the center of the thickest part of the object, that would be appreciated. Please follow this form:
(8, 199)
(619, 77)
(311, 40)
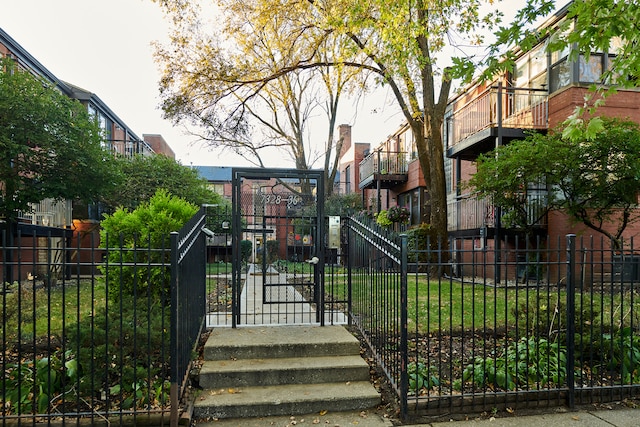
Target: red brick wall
(624, 104)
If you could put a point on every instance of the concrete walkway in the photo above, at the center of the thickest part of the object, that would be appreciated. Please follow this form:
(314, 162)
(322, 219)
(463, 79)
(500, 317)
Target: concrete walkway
(601, 418)
(270, 299)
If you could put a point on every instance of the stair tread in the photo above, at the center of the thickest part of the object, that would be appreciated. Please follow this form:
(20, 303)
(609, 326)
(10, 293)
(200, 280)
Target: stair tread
(248, 365)
(289, 393)
(285, 341)
(302, 369)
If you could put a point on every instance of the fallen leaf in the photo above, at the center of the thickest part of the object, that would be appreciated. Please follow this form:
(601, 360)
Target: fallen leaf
(575, 418)
(323, 412)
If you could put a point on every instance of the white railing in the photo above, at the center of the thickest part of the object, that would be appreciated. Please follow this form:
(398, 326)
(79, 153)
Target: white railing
(50, 213)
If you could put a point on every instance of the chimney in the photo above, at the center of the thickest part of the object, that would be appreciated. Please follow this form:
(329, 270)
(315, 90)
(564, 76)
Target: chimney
(344, 133)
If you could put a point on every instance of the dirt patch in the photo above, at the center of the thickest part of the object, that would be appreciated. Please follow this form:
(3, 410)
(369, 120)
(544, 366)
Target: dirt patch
(219, 299)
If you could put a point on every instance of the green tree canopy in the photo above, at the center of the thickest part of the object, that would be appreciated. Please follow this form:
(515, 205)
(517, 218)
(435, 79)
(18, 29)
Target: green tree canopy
(142, 176)
(226, 80)
(343, 204)
(595, 181)
(590, 27)
(49, 145)
(396, 44)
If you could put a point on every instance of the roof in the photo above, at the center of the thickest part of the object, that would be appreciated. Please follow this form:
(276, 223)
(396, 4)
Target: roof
(215, 173)
(25, 59)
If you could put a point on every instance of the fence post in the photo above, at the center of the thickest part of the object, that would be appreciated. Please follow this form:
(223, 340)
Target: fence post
(348, 262)
(175, 330)
(404, 336)
(571, 307)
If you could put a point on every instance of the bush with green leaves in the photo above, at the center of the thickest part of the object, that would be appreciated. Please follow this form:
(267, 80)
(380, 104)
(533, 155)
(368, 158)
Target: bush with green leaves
(138, 255)
(421, 377)
(246, 246)
(383, 220)
(621, 352)
(528, 361)
(123, 354)
(29, 386)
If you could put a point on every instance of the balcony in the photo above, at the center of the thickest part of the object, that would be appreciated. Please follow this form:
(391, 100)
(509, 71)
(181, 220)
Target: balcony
(497, 112)
(470, 213)
(383, 169)
(49, 213)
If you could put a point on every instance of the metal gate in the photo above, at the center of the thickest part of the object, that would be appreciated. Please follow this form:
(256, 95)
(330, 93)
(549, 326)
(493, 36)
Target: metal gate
(278, 247)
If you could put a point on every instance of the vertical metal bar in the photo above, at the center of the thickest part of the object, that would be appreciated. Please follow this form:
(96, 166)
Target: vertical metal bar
(348, 261)
(320, 245)
(571, 264)
(175, 330)
(236, 236)
(404, 333)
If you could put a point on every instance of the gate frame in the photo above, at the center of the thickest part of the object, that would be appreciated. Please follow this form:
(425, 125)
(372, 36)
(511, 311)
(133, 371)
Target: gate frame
(237, 175)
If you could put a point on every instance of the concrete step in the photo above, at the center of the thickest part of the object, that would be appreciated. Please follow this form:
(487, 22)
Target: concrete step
(290, 399)
(282, 370)
(300, 370)
(279, 342)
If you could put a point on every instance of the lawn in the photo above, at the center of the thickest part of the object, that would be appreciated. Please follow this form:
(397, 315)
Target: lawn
(30, 313)
(453, 306)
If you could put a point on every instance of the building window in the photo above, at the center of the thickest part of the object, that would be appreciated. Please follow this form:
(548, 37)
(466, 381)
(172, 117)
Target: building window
(531, 69)
(560, 75)
(217, 188)
(590, 69)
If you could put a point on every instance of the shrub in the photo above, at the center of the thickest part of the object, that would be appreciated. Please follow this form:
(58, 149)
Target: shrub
(422, 243)
(122, 359)
(142, 236)
(529, 361)
(398, 214)
(246, 246)
(383, 220)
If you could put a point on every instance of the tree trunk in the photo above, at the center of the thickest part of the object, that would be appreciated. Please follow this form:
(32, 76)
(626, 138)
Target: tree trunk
(437, 181)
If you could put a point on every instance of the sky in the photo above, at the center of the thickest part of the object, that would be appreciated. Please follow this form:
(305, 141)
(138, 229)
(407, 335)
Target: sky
(104, 46)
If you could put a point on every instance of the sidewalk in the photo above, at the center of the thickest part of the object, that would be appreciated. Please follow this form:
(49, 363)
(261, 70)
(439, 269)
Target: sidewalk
(619, 417)
(597, 418)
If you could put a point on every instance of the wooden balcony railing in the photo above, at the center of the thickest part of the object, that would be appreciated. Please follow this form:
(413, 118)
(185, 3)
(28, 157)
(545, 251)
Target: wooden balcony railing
(499, 106)
(381, 162)
(469, 212)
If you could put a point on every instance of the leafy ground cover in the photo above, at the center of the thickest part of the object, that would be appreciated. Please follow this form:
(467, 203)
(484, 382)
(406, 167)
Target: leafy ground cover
(69, 348)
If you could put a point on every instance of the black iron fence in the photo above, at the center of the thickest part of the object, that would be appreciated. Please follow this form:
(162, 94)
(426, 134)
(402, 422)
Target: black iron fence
(462, 327)
(96, 329)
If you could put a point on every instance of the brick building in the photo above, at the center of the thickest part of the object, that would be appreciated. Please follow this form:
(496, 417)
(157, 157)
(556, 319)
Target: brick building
(60, 219)
(540, 93)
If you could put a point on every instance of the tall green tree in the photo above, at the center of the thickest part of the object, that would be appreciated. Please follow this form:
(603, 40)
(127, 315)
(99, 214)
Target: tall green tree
(401, 43)
(595, 181)
(142, 176)
(49, 145)
(230, 84)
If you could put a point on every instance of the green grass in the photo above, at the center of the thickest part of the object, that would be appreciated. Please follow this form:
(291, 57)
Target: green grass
(219, 268)
(30, 313)
(450, 306)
